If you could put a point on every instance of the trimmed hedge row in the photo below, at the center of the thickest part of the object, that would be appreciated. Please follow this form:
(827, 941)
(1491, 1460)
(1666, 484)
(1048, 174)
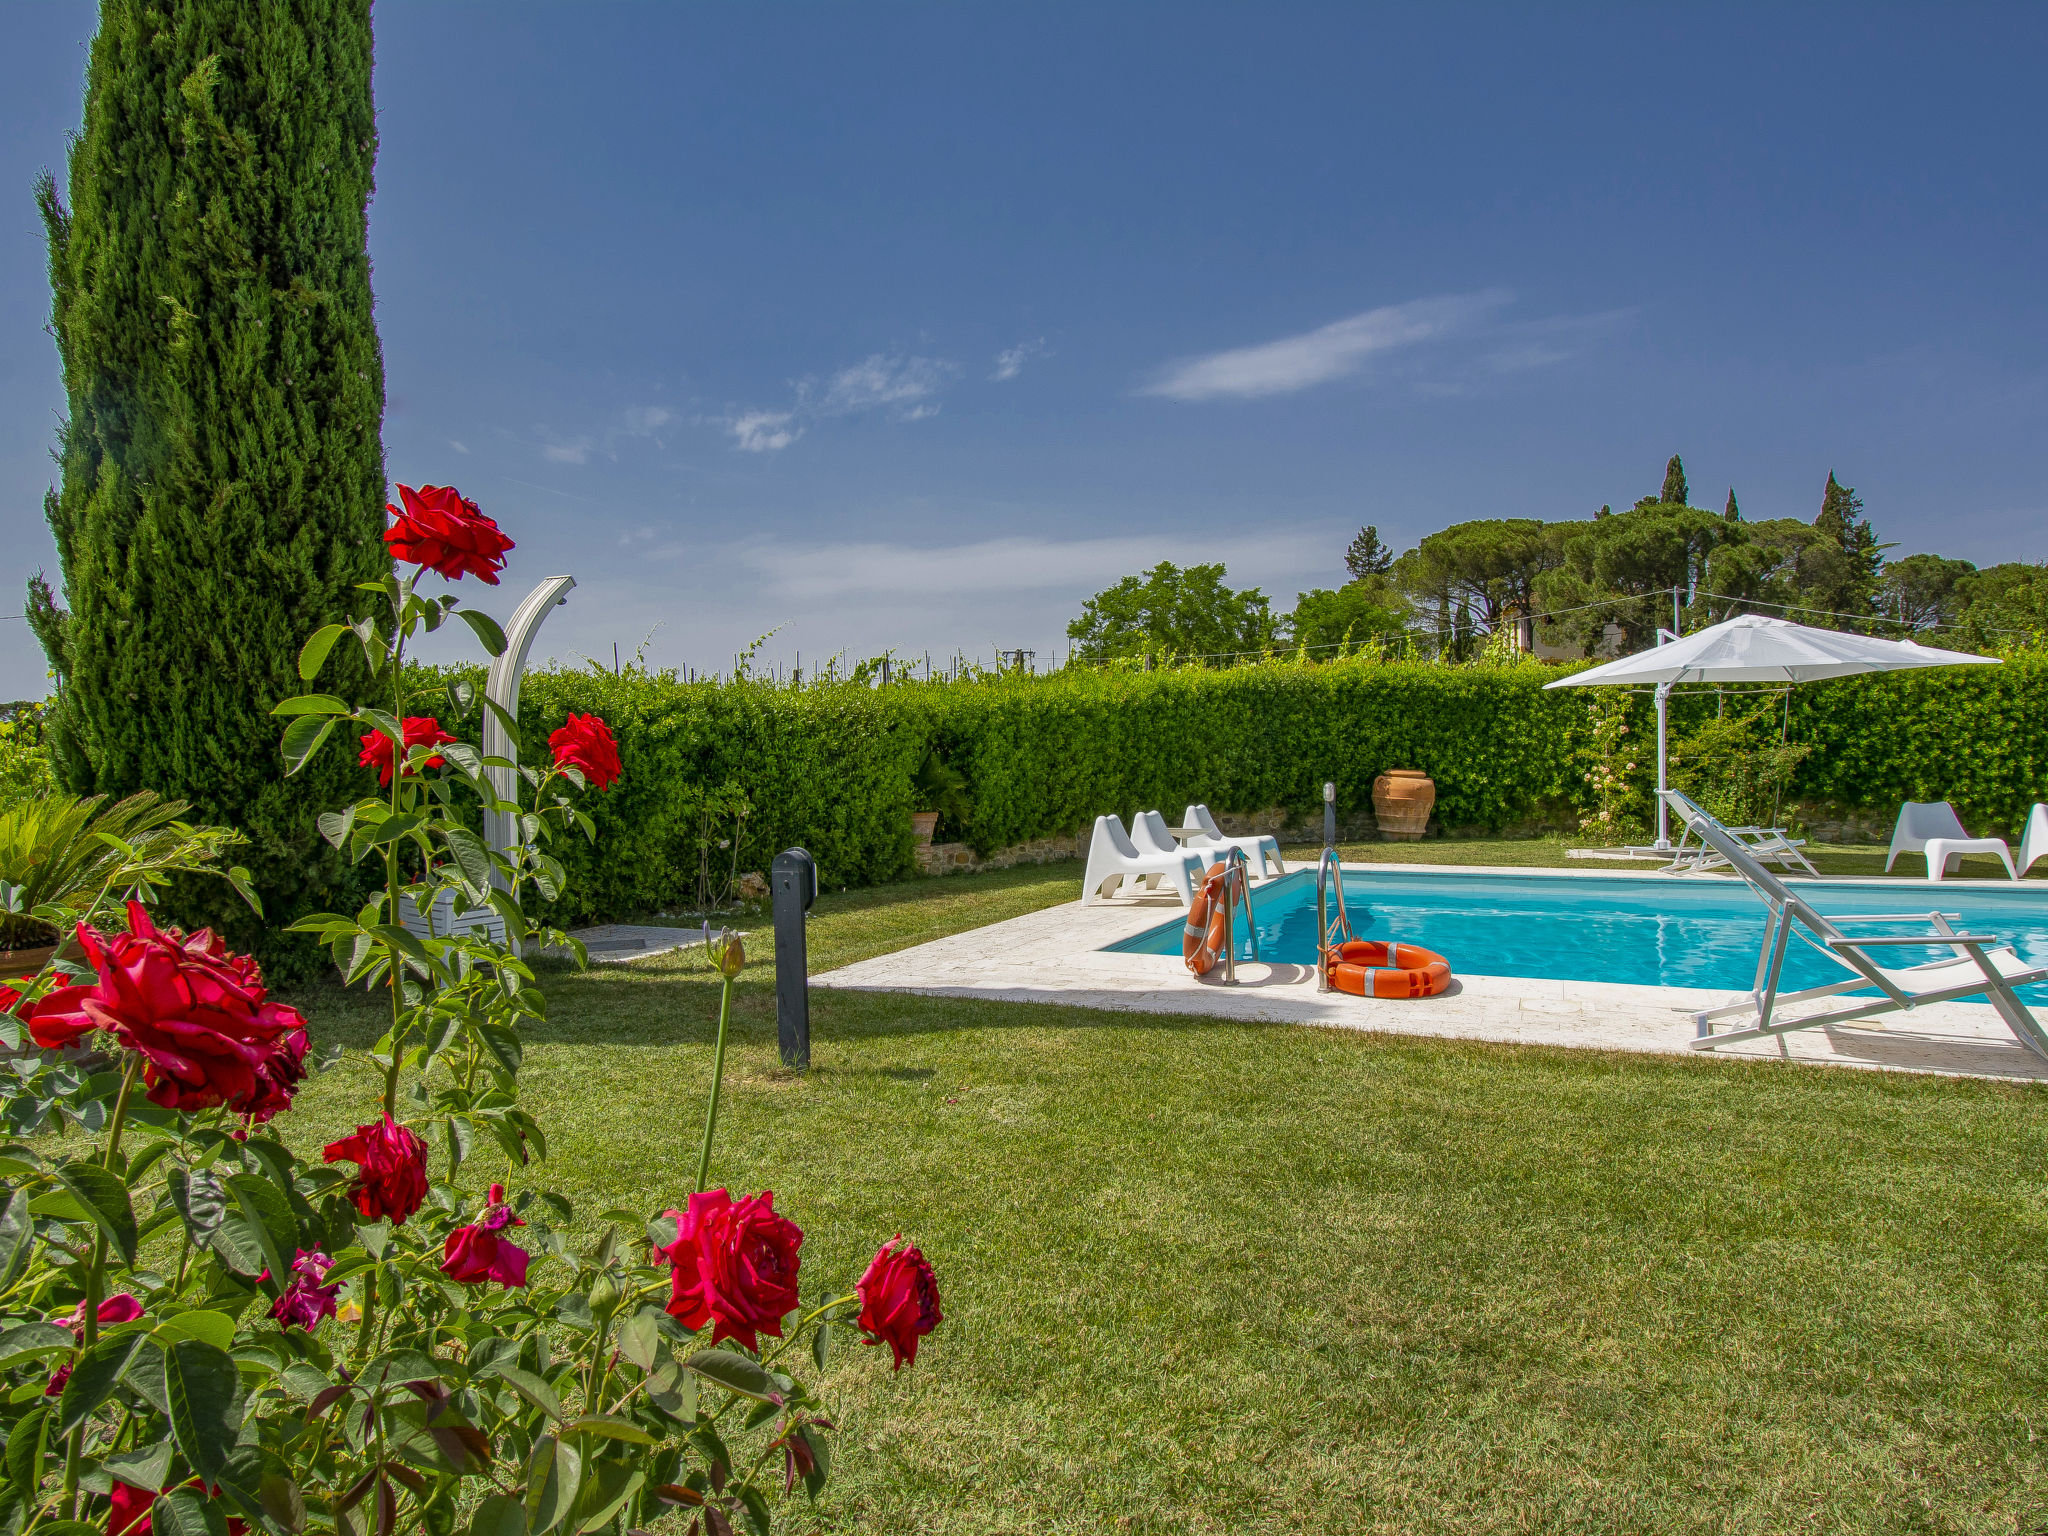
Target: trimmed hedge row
(829, 766)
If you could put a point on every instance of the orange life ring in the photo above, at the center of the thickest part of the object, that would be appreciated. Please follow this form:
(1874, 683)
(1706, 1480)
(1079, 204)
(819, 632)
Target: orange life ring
(1208, 925)
(1369, 968)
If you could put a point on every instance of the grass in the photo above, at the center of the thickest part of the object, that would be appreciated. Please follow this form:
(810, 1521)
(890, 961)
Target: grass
(1225, 1278)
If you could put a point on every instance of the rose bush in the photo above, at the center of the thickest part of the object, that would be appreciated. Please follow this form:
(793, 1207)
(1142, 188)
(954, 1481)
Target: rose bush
(205, 1333)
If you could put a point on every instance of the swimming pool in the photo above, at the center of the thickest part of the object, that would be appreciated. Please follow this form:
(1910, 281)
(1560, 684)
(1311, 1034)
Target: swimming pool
(1699, 932)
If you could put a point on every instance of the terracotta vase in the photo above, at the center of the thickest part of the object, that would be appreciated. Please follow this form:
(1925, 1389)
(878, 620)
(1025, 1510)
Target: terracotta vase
(1401, 800)
(922, 824)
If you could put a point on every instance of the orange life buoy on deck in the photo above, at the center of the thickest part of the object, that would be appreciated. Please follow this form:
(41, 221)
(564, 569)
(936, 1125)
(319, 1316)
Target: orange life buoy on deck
(1369, 968)
(1208, 925)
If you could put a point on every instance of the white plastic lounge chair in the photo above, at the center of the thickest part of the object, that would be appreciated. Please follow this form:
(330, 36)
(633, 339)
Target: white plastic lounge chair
(1982, 966)
(1113, 859)
(1932, 828)
(1209, 837)
(2034, 840)
(1768, 845)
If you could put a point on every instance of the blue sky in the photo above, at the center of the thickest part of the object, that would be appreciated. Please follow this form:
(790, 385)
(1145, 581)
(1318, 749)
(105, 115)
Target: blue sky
(910, 325)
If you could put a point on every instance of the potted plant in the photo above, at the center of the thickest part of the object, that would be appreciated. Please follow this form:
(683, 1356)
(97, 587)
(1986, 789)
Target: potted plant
(54, 860)
(939, 792)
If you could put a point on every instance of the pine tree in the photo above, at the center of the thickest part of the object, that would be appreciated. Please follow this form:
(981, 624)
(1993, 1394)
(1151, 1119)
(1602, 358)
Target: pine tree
(1843, 524)
(1674, 483)
(1367, 556)
(1732, 513)
(222, 472)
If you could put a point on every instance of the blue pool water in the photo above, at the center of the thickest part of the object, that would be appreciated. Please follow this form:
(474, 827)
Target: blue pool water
(1701, 932)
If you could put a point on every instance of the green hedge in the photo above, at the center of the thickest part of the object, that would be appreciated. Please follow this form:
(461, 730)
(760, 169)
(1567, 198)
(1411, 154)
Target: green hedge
(828, 765)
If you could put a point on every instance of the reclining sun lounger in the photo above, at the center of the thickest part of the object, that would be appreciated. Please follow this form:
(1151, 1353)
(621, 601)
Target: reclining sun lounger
(1981, 966)
(1199, 830)
(1114, 859)
(1767, 845)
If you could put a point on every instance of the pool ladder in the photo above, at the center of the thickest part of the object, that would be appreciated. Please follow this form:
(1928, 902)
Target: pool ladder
(1324, 883)
(1236, 856)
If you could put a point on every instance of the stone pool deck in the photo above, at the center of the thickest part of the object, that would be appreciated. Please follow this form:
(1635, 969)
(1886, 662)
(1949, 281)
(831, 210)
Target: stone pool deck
(1056, 956)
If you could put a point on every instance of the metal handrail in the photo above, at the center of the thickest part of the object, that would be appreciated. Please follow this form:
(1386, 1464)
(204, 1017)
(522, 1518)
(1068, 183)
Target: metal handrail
(1323, 883)
(1235, 858)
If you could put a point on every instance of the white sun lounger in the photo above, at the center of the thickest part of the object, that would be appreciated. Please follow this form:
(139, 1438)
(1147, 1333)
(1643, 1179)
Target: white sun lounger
(1114, 859)
(1199, 830)
(1932, 828)
(1767, 845)
(1982, 965)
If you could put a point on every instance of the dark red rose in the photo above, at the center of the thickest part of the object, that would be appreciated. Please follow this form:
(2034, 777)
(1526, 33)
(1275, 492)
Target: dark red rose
(278, 1077)
(306, 1301)
(899, 1299)
(476, 1253)
(734, 1266)
(443, 529)
(198, 1015)
(121, 1307)
(585, 742)
(57, 1018)
(130, 1513)
(393, 1163)
(420, 731)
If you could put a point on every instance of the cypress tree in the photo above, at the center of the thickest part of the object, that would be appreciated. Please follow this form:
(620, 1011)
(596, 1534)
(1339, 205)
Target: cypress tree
(1674, 483)
(1843, 524)
(1732, 512)
(222, 473)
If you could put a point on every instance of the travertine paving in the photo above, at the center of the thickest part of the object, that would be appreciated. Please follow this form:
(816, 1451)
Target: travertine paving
(1056, 956)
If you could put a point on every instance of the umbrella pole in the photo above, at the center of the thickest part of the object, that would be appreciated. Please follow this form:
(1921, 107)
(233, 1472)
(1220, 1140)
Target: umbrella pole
(1663, 811)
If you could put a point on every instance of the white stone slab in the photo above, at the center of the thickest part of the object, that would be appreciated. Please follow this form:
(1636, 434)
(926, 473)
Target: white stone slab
(1057, 956)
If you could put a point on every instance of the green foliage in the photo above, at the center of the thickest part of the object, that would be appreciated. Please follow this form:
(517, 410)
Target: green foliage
(1170, 612)
(1675, 492)
(1367, 556)
(221, 467)
(1628, 564)
(1490, 566)
(1619, 770)
(1842, 523)
(1737, 766)
(24, 751)
(1358, 614)
(941, 787)
(57, 853)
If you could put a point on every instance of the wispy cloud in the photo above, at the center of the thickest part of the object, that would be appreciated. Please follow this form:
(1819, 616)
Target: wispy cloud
(763, 431)
(1329, 352)
(906, 387)
(575, 451)
(647, 420)
(458, 447)
(1011, 360)
(879, 381)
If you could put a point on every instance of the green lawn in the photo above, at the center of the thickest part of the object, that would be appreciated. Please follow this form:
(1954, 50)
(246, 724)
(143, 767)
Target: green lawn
(1222, 1278)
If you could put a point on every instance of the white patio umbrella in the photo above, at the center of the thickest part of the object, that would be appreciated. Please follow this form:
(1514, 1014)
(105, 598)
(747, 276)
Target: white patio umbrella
(1750, 648)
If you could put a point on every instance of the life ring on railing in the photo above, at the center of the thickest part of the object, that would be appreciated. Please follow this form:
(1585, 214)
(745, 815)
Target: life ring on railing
(1369, 968)
(1208, 926)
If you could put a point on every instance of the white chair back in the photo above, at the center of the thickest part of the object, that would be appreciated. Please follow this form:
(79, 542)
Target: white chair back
(1921, 819)
(1149, 832)
(2034, 840)
(1205, 821)
(1113, 829)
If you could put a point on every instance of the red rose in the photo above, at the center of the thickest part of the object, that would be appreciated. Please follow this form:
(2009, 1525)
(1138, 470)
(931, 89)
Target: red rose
(476, 1253)
(585, 742)
(129, 1515)
(306, 1301)
(420, 731)
(443, 530)
(393, 1180)
(198, 1015)
(278, 1076)
(57, 1018)
(121, 1307)
(899, 1299)
(734, 1266)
